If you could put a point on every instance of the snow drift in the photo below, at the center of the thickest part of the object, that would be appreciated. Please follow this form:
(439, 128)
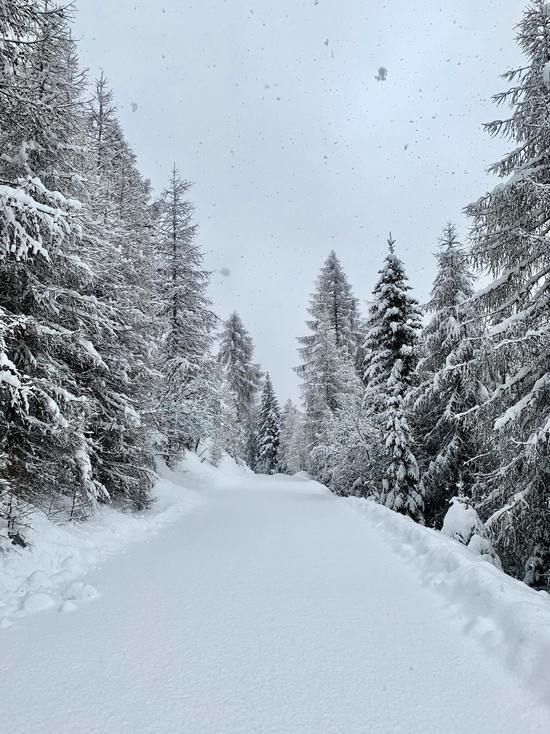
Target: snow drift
(510, 620)
(46, 574)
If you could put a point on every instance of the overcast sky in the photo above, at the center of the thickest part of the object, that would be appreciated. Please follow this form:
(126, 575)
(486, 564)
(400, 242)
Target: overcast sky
(274, 111)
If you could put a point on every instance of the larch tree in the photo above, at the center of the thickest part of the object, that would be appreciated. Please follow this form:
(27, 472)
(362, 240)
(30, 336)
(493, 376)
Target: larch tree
(292, 449)
(47, 293)
(121, 243)
(269, 429)
(333, 346)
(510, 241)
(189, 322)
(242, 375)
(347, 456)
(333, 299)
(336, 388)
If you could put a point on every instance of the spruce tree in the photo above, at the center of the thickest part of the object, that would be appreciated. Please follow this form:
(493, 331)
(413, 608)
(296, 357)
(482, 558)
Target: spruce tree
(392, 328)
(269, 428)
(447, 386)
(391, 355)
(510, 226)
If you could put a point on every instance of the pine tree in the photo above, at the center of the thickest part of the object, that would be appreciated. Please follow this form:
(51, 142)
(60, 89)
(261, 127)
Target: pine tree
(390, 347)
(189, 321)
(510, 228)
(243, 377)
(447, 386)
(269, 427)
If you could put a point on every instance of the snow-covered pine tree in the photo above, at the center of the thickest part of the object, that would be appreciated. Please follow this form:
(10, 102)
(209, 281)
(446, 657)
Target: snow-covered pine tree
(333, 308)
(510, 241)
(47, 282)
(447, 385)
(189, 322)
(391, 356)
(236, 353)
(333, 299)
(332, 383)
(331, 351)
(269, 428)
(331, 375)
(118, 236)
(393, 324)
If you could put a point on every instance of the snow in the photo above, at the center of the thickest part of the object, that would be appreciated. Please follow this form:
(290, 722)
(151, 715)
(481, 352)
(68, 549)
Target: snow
(17, 203)
(462, 523)
(8, 373)
(509, 619)
(47, 573)
(272, 607)
(512, 413)
(92, 351)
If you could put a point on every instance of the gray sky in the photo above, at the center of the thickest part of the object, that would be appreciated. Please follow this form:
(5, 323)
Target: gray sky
(273, 110)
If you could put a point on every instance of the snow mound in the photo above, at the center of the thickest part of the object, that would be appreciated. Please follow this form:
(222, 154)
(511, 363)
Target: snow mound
(79, 591)
(511, 620)
(462, 523)
(47, 573)
(68, 606)
(36, 580)
(301, 476)
(36, 601)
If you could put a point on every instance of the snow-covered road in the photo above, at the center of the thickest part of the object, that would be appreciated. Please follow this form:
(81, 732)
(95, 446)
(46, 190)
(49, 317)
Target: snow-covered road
(272, 609)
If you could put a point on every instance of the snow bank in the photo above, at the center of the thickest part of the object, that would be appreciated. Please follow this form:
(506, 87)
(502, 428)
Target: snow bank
(46, 574)
(511, 620)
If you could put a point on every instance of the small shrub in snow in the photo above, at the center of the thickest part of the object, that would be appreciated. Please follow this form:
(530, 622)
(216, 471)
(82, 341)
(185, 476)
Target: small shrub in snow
(462, 524)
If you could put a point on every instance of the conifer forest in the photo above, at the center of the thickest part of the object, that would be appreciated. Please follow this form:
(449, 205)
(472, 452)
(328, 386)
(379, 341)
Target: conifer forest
(145, 434)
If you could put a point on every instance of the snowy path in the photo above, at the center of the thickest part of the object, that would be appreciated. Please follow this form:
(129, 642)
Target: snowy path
(272, 609)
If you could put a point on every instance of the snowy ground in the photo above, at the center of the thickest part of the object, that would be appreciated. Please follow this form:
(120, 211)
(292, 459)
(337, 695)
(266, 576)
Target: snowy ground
(269, 606)
(48, 574)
